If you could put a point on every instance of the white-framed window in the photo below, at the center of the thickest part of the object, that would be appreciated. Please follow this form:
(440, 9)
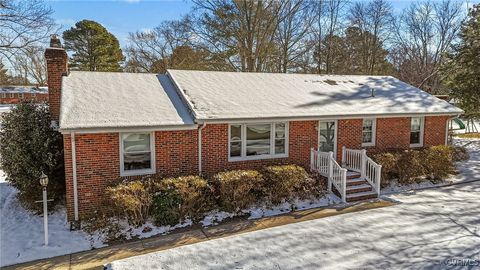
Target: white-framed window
(4, 95)
(34, 95)
(21, 95)
(12, 95)
(368, 132)
(251, 141)
(137, 153)
(416, 131)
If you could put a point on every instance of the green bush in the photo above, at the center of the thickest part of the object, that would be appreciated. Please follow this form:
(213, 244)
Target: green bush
(132, 200)
(194, 192)
(237, 190)
(438, 161)
(29, 147)
(286, 182)
(166, 207)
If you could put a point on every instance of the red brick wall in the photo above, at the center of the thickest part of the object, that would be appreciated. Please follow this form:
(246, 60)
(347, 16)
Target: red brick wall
(391, 133)
(57, 61)
(98, 159)
(435, 128)
(302, 137)
(27, 96)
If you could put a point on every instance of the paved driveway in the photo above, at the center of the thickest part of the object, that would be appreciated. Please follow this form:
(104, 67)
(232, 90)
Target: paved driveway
(426, 229)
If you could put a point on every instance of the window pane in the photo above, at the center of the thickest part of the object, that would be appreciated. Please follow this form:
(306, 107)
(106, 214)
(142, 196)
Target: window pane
(136, 143)
(415, 124)
(235, 149)
(279, 146)
(327, 136)
(367, 137)
(258, 139)
(415, 137)
(136, 161)
(235, 132)
(367, 125)
(280, 130)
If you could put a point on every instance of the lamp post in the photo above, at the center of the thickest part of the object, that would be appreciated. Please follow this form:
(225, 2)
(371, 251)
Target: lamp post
(44, 183)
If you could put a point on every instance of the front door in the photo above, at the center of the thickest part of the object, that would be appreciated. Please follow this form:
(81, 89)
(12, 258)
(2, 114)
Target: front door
(327, 140)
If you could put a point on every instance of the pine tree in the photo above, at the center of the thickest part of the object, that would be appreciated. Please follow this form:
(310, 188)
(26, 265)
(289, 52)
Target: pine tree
(93, 47)
(464, 66)
(5, 79)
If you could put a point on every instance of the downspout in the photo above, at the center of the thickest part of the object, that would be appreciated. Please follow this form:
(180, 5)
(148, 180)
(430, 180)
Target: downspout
(200, 147)
(74, 176)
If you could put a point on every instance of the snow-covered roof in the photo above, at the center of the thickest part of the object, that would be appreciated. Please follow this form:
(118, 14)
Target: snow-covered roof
(234, 95)
(92, 100)
(24, 89)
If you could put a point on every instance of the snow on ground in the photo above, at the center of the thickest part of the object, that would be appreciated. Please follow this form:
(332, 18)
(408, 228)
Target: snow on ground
(426, 229)
(21, 232)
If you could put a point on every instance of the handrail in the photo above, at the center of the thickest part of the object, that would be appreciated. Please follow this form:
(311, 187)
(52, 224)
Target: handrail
(325, 164)
(358, 161)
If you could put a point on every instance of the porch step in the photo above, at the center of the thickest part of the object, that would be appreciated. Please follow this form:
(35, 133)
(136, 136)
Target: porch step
(353, 175)
(360, 196)
(356, 182)
(355, 189)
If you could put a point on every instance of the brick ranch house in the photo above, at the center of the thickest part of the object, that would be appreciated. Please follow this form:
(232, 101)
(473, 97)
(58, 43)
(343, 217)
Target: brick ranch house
(192, 122)
(17, 94)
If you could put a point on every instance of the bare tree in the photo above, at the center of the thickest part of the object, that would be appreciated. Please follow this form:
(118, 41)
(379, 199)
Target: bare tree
(296, 21)
(328, 18)
(23, 23)
(424, 34)
(241, 31)
(373, 19)
(31, 65)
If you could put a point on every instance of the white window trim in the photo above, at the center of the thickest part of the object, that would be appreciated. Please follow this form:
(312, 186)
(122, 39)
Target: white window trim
(244, 156)
(422, 127)
(374, 131)
(4, 95)
(152, 170)
(21, 95)
(12, 95)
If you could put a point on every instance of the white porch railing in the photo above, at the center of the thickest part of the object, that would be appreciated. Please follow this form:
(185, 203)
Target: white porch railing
(325, 164)
(358, 161)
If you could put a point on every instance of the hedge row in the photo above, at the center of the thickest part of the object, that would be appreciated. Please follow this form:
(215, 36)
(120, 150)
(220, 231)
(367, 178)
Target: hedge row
(408, 166)
(173, 200)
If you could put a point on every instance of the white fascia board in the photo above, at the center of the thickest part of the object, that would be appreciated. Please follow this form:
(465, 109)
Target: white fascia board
(310, 118)
(127, 129)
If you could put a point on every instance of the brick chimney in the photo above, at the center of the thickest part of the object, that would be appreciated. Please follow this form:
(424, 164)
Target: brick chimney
(57, 67)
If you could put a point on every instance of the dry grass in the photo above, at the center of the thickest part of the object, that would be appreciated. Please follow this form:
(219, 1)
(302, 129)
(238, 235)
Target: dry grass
(469, 135)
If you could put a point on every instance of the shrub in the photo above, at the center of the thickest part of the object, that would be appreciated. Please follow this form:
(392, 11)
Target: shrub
(438, 161)
(409, 166)
(389, 166)
(132, 200)
(283, 183)
(195, 195)
(29, 147)
(238, 189)
(460, 153)
(166, 207)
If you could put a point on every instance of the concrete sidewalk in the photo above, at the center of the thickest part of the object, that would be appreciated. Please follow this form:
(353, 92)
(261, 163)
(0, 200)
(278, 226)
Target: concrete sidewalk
(96, 259)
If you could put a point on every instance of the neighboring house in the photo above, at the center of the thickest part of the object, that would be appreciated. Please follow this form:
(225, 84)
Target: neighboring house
(191, 122)
(17, 94)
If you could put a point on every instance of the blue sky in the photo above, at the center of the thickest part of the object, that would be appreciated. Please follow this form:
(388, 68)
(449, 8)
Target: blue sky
(123, 16)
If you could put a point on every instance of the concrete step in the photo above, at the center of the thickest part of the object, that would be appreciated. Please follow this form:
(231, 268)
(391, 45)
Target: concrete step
(359, 188)
(360, 196)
